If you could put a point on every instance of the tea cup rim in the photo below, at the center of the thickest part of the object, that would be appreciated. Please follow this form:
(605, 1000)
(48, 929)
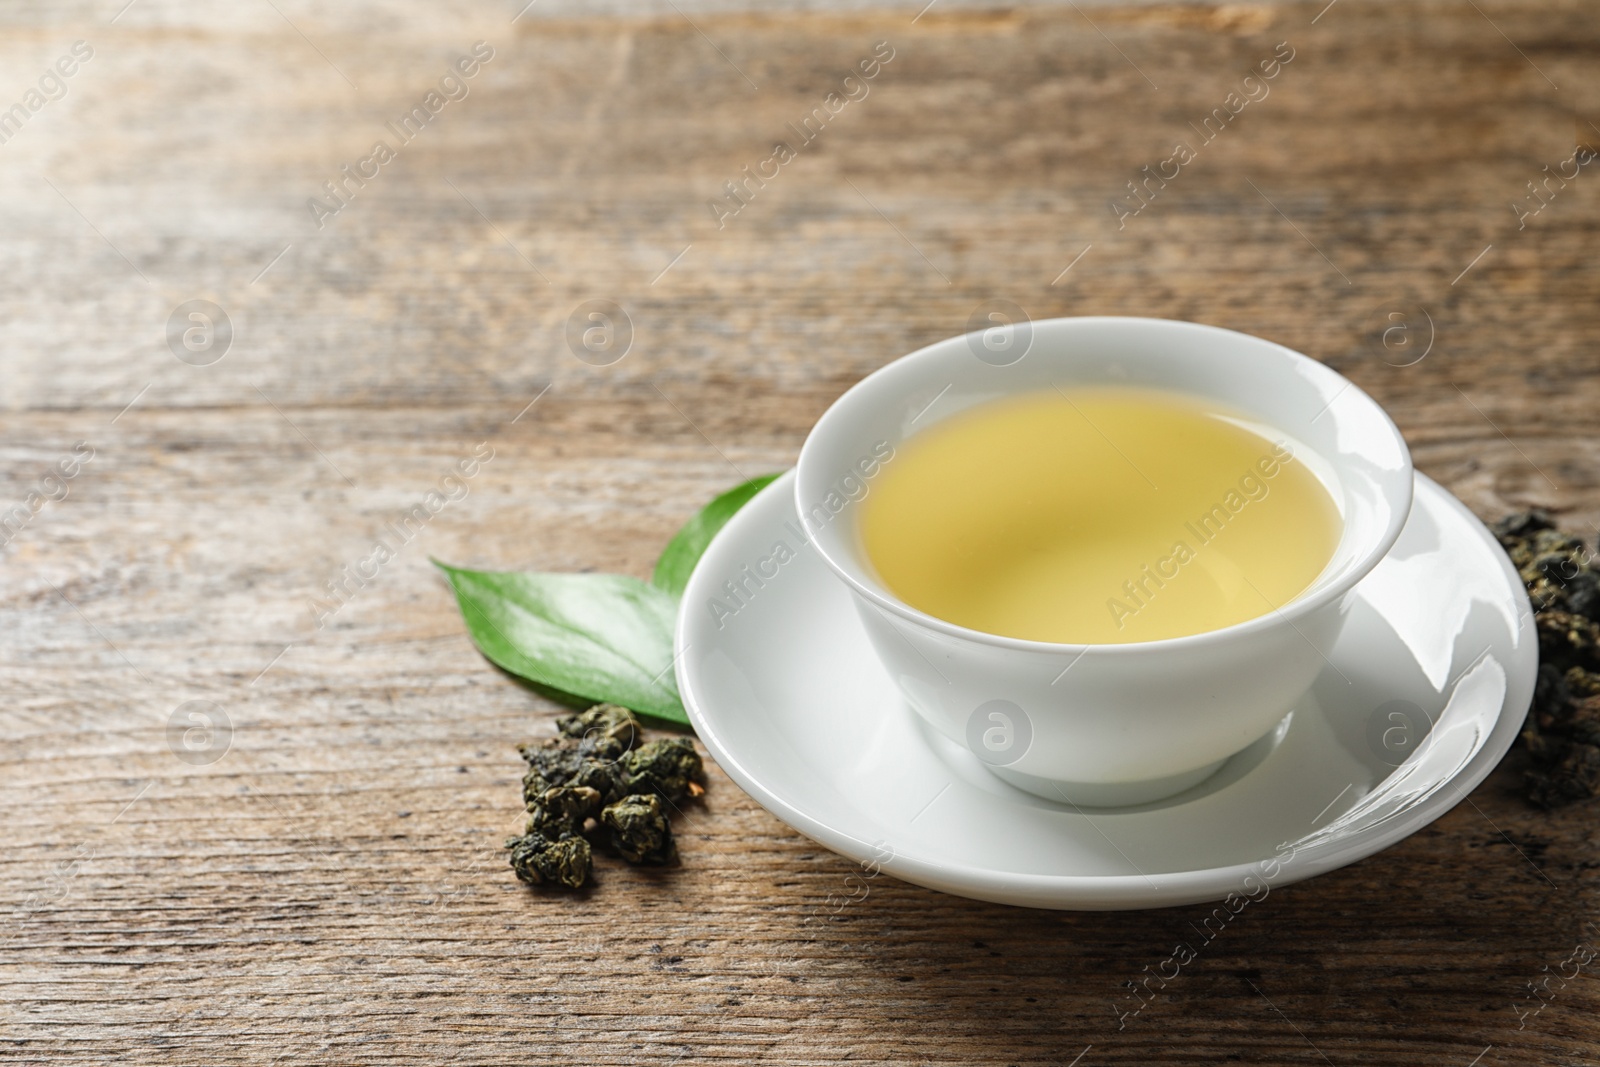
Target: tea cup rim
(1332, 385)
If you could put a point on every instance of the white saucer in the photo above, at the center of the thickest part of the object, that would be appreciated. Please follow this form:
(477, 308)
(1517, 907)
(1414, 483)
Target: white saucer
(789, 698)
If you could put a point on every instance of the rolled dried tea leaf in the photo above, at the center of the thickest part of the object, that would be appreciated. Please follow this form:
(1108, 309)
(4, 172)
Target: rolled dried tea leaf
(1562, 732)
(538, 860)
(1520, 525)
(561, 761)
(1568, 640)
(670, 767)
(593, 771)
(1556, 568)
(587, 741)
(552, 763)
(1581, 684)
(605, 731)
(563, 809)
(1565, 770)
(639, 830)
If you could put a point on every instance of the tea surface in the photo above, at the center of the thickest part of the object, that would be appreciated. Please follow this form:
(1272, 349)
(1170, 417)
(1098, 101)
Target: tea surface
(1097, 515)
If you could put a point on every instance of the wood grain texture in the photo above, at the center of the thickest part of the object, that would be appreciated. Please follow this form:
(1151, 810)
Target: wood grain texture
(331, 889)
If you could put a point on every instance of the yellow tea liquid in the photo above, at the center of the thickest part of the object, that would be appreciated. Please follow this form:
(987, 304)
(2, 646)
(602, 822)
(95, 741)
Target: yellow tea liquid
(1096, 515)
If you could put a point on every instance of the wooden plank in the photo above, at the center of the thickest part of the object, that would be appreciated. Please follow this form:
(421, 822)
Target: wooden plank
(332, 889)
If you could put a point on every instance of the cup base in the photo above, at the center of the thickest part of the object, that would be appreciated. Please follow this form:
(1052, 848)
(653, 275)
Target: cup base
(1105, 794)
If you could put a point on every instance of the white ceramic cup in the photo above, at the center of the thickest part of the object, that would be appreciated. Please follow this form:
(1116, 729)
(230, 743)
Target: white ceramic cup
(1109, 724)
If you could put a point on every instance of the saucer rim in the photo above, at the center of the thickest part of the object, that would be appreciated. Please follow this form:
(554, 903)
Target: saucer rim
(1096, 892)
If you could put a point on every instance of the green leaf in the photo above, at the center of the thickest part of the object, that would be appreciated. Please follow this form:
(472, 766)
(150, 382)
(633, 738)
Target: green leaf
(604, 637)
(594, 637)
(689, 544)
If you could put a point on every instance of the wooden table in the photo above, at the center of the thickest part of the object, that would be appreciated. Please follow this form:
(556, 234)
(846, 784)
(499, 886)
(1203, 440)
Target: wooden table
(322, 881)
